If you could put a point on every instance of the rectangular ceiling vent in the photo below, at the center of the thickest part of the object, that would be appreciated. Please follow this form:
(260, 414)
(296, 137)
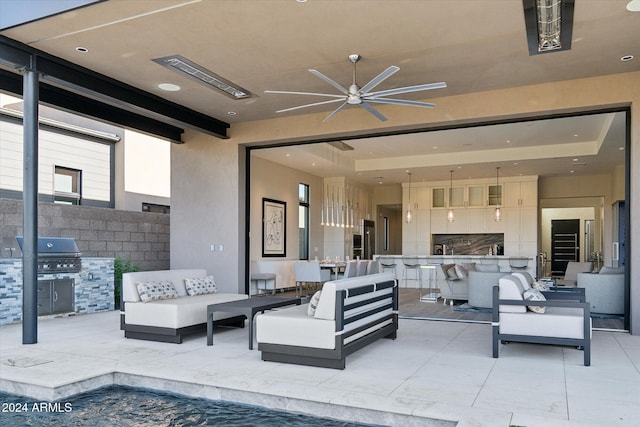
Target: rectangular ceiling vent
(200, 74)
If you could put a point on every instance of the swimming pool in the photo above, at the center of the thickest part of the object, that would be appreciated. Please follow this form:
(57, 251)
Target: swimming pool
(129, 406)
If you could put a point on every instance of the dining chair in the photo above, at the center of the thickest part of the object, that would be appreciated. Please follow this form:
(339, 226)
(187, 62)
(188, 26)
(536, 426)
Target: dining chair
(307, 273)
(373, 267)
(351, 270)
(362, 267)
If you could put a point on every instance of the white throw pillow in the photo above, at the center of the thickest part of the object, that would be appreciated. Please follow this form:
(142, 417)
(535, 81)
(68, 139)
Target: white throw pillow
(154, 291)
(313, 304)
(460, 271)
(201, 285)
(534, 295)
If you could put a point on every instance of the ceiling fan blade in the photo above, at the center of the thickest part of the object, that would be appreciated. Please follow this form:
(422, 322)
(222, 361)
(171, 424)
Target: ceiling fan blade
(304, 93)
(373, 111)
(336, 111)
(401, 102)
(407, 89)
(309, 105)
(379, 79)
(330, 81)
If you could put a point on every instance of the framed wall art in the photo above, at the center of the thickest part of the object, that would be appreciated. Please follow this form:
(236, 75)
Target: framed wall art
(274, 228)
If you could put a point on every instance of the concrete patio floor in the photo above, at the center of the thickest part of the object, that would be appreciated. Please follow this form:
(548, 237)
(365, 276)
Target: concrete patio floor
(433, 372)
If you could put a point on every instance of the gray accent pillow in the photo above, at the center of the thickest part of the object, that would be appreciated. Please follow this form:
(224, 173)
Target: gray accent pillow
(534, 295)
(154, 291)
(201, 286)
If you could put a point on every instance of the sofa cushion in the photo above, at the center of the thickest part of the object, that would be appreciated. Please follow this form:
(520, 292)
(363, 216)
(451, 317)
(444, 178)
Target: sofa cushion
(327, 304)
(200, 285)
(178, 313)
(511, 288)
(534, 295)
(154, 291)
(452, 274)
(469, 266)
(488, 268)
(313, 303)
(525, 278)
(306, 332)
(560, 322)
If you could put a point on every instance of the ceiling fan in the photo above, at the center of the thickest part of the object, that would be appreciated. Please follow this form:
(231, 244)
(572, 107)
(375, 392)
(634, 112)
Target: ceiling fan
(363, 96)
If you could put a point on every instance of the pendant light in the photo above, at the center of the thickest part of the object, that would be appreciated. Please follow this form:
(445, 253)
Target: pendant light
(409, 204)
(497, 215)
(450, 214)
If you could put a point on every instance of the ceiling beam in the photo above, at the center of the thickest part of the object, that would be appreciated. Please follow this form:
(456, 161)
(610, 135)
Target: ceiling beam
(98, 89)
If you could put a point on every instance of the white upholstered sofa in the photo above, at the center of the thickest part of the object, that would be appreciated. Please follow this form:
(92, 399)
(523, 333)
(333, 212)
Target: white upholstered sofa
(565, 321)
(350, 313)
(167, 320)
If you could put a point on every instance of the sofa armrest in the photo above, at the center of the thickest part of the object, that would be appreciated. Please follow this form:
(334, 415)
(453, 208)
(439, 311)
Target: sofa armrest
(570, 302)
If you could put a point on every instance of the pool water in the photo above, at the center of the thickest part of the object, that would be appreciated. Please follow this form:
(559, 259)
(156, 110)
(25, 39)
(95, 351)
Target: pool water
(129, 406)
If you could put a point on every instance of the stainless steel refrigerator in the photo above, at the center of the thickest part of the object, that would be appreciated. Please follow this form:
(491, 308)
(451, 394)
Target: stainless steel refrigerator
(368, 239)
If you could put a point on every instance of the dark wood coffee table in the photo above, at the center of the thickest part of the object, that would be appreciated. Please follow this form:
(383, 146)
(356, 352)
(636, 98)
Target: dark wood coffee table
(247, 307)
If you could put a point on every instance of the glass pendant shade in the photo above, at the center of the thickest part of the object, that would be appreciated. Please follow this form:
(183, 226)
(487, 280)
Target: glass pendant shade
(450, 216)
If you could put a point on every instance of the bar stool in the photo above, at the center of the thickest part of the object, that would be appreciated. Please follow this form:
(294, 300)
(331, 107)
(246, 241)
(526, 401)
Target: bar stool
(411, 263)
(262, 281)
(387, 263)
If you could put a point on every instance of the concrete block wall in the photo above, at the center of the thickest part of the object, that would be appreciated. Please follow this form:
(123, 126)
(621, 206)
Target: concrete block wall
(142, 237)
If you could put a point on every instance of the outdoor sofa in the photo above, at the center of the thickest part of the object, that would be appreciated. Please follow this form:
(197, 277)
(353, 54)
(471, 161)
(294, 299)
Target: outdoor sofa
(604, 290)
(345, 316)
(561, 318)
(169, 315)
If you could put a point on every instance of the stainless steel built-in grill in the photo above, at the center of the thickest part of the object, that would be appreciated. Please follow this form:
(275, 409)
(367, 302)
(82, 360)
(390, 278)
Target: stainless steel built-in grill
(57, 255)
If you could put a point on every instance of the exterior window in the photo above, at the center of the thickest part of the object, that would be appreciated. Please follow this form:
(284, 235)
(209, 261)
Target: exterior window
(303, 220)
(152, 207)
(67, 185)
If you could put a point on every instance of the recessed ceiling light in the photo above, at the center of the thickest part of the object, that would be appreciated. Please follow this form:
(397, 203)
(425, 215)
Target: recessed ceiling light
(626, 58)
(288, 155)
(82, 49)
(572, 171)
(313, 164)
(435, 148)
(508, 141)
(633, 6)
(516, 163)
(169, 87)
(575, 135)
(575, 160)
(231, 113)
(621, 148)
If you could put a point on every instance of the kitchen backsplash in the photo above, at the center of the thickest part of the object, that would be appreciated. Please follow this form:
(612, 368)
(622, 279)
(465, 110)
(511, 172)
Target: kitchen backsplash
(468, 244)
